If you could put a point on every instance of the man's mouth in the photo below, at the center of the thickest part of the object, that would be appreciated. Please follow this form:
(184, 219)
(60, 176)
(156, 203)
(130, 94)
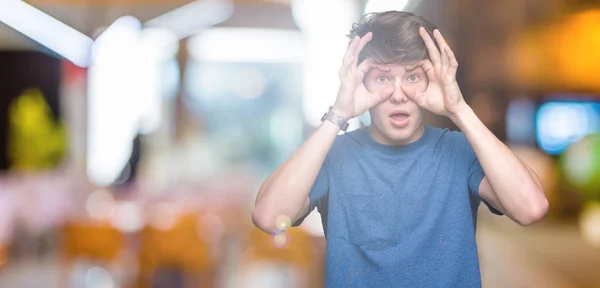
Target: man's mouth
(399, 118)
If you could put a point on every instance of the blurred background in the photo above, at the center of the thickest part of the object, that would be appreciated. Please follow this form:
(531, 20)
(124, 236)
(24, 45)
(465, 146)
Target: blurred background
(134, 134)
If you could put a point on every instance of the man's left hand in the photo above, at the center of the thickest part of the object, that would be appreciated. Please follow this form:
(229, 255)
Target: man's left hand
(443, 95)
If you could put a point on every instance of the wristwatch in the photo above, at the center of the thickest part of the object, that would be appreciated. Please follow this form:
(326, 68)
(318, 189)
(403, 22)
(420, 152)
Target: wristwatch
(335, 119)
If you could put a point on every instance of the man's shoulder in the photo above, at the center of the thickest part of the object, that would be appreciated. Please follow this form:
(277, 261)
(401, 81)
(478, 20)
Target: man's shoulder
(448, 135)
(454, 142)
(347, 144)
(350, 139)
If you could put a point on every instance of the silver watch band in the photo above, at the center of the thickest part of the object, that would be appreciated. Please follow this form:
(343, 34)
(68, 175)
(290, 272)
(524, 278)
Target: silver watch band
(335, 119)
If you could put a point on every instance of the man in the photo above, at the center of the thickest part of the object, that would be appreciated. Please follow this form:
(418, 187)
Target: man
(398, 199)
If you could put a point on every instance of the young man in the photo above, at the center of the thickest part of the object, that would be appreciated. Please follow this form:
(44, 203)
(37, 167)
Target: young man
(398, 199)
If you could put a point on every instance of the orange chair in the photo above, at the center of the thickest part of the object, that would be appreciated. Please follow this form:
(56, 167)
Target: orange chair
(2, 256)
(294, 248)
(96, 241)
(179, 247)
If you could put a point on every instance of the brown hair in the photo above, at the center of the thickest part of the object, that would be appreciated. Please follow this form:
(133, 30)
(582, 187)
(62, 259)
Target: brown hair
(395, 36)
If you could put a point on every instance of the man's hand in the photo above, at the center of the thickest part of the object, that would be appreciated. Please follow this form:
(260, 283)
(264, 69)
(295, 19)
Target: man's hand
(353, 99)
(443, 95)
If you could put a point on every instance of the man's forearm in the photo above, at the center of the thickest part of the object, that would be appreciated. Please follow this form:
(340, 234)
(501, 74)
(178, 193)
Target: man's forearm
(515, 186)
(284, 193)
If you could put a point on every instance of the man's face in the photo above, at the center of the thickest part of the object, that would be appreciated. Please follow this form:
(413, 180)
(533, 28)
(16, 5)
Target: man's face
(397, 120)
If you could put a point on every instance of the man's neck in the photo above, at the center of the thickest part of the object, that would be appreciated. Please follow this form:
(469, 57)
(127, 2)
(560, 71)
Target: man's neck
(380, 138)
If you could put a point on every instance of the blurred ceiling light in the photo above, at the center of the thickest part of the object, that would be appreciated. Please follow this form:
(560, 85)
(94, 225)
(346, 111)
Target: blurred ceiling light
(51, 33)
(124, 31)
(323, 18)
(126, 84)
(386, 5)
(325, 25)
(156, 48)
(247, 45)
(113, 110)
(194, 17)
(158, 43)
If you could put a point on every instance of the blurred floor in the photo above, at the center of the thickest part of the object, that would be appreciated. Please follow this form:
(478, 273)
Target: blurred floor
(545, 255)
(31, 273)
(548, 254)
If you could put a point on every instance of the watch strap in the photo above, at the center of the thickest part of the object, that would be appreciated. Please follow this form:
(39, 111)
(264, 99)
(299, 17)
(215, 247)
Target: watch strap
(335, 119)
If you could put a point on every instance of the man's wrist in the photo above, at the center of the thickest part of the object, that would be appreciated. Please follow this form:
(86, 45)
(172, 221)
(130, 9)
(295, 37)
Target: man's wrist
(463, 116)
(330, 125)
(337, 119)
(341, 113)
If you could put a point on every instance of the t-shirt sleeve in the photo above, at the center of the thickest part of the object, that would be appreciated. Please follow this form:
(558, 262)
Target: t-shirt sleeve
(476, 175)
(318, 192)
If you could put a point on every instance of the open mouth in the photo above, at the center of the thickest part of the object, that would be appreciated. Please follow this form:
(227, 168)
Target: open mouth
(399, 118)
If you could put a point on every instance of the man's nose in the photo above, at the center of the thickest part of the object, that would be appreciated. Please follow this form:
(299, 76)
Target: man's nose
(398, 96)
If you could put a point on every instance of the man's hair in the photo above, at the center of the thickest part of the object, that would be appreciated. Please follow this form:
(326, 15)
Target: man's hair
(395, 36)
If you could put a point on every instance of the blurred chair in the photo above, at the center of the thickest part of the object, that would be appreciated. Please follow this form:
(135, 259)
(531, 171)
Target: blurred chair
(2, 256)
(92, 240)
(292, 249)
(177, 251)
(98, 241)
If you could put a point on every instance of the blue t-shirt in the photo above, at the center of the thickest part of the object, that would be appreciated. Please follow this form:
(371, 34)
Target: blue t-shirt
(400, 216)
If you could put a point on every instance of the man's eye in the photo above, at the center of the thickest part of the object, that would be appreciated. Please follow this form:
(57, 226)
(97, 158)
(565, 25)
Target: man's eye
(382, 79)
(413, 78)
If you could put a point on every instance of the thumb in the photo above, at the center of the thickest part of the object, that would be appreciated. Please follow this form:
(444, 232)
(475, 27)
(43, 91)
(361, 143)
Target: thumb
(411, 93)
(384, 94)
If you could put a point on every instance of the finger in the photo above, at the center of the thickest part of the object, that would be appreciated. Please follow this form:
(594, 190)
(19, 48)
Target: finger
(414, 95)
(434, 53)
(384, 68)
(382, 95)
(369, 64)
(363, 42)
(350, 51)
(428, 68)
(442, 43)
(409, 92)
(453, 63)
(365, 66)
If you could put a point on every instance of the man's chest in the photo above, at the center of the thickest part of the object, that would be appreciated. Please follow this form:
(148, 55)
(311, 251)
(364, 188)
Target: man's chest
(387, 200)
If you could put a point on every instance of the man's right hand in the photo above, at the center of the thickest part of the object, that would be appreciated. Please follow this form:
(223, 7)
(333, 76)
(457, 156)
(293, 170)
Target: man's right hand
(353, 98)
